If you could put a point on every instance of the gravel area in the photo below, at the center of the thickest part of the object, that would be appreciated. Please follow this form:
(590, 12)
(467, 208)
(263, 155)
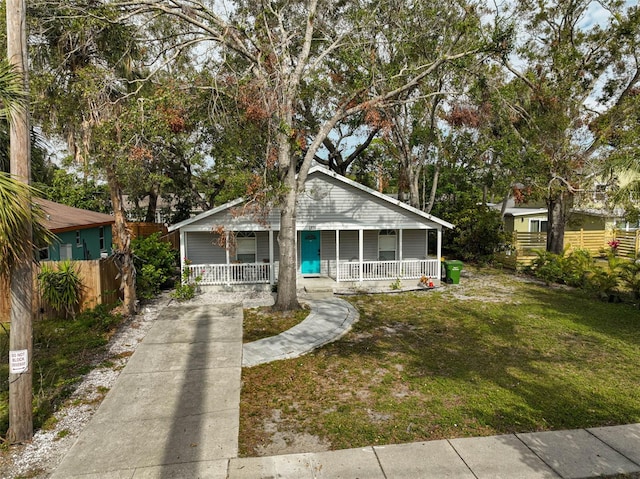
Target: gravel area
(39, 458)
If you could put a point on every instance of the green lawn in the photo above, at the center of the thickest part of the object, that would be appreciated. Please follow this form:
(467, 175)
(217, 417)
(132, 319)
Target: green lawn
(420, 366)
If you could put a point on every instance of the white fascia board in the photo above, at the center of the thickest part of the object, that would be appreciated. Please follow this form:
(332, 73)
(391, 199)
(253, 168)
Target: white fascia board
(357, 226)
(541, 211)
(205, 214)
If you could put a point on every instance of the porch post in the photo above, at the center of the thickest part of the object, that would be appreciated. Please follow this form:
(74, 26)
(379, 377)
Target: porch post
(439, 252)
(226, 250)
(360, 251)
(426, 244)
(272, 265)
(337, 256)
(400, 254)
(183, 250)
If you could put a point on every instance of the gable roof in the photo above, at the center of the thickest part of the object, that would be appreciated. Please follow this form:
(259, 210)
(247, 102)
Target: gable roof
(321, 171)
(60, 218)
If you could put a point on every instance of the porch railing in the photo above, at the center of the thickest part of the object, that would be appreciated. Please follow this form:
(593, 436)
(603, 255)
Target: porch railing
(384, 270)
(217, 274)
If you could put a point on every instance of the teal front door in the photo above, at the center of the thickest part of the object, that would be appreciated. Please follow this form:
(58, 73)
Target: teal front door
(310, 252)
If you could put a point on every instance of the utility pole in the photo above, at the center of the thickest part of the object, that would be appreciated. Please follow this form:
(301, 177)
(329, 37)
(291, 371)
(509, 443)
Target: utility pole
(21, 338)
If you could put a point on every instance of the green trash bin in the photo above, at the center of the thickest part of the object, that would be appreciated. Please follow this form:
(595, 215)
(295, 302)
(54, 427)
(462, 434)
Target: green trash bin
(453, 268)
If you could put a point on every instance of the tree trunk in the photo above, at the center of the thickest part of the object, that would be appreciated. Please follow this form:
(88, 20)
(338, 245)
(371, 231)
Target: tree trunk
(434, 188)
(150, 217)
(122, 241)
(557, 220)
(287, 274)
(21, 337)
(414, 185)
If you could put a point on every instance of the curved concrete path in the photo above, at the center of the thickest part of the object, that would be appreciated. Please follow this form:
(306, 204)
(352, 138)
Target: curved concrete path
(329, 320)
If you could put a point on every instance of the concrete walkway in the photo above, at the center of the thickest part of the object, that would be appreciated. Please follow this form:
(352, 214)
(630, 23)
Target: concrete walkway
(328, 320)
(174, 410)
(174, 413)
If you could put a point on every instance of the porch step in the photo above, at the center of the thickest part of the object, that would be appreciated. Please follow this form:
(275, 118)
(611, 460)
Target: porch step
(317, 285)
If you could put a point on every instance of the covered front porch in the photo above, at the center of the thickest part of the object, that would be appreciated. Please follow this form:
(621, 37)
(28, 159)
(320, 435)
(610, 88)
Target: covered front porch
(343, 256)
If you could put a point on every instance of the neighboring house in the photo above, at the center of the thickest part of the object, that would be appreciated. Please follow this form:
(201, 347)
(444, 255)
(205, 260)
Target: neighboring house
(346, 231)
(80, 234)
(592, 224)
(523, 219)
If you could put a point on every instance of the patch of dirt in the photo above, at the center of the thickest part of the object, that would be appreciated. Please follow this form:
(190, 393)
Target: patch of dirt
(283, 441)
(486, 286)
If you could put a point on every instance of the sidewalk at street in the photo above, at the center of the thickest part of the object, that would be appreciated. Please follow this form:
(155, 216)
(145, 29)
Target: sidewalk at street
(576, 454)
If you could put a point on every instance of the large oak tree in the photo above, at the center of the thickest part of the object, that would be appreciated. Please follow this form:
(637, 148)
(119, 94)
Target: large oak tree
(356, 56)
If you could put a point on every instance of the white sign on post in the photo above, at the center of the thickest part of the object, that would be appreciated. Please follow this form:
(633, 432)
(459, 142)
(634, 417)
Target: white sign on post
(18, 361)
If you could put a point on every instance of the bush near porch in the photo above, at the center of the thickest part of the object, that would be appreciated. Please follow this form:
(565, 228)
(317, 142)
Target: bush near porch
(496, 354)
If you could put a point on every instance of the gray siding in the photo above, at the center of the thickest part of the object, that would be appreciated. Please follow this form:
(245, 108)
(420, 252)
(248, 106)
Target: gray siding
(348, 245)
(232, 222)
(329, 201)
(202, 249)
(414, 244)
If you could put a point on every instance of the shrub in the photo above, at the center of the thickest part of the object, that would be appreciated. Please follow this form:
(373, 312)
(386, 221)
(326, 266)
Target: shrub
(547, 267)
(61, 288)
(155, 263)
(571, 269)
(478, 235)
(630, 277)
(186, 290)
(576, 267)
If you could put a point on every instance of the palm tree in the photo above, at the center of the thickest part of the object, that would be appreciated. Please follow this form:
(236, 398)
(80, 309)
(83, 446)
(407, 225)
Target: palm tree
(12, 95)
(15, 214)
(17, 210)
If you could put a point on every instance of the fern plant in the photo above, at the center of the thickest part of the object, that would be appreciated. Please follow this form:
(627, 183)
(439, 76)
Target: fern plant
(61, 288)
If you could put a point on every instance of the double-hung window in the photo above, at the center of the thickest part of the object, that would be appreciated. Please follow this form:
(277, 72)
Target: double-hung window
(387, 245)
(246, 247)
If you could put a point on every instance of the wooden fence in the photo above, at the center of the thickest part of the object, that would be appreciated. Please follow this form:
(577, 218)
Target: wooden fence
(100, 285)
(142, 230)
(526, 244)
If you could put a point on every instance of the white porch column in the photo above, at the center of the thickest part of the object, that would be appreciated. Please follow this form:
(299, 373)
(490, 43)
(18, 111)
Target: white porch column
(400, 254)
(360, 251)
(226, 250)
(439, 252)
(183, 251)
(337, 256)
(272, 265)
(426, 244)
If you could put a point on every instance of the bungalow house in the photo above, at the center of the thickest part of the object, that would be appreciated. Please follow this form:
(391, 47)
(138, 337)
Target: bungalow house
(346, 231)
(80, 234)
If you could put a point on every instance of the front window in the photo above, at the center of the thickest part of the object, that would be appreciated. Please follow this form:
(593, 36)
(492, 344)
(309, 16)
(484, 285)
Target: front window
(101, 233)
(387, 245)
(246, 247)
(538, 226)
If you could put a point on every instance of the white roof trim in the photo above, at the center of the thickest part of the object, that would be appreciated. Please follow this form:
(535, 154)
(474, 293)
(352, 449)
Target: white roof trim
(525, 212)
(206, 214)
(338, 177)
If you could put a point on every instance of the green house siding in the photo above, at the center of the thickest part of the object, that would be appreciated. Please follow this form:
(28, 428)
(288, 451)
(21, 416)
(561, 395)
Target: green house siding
(81, 244)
